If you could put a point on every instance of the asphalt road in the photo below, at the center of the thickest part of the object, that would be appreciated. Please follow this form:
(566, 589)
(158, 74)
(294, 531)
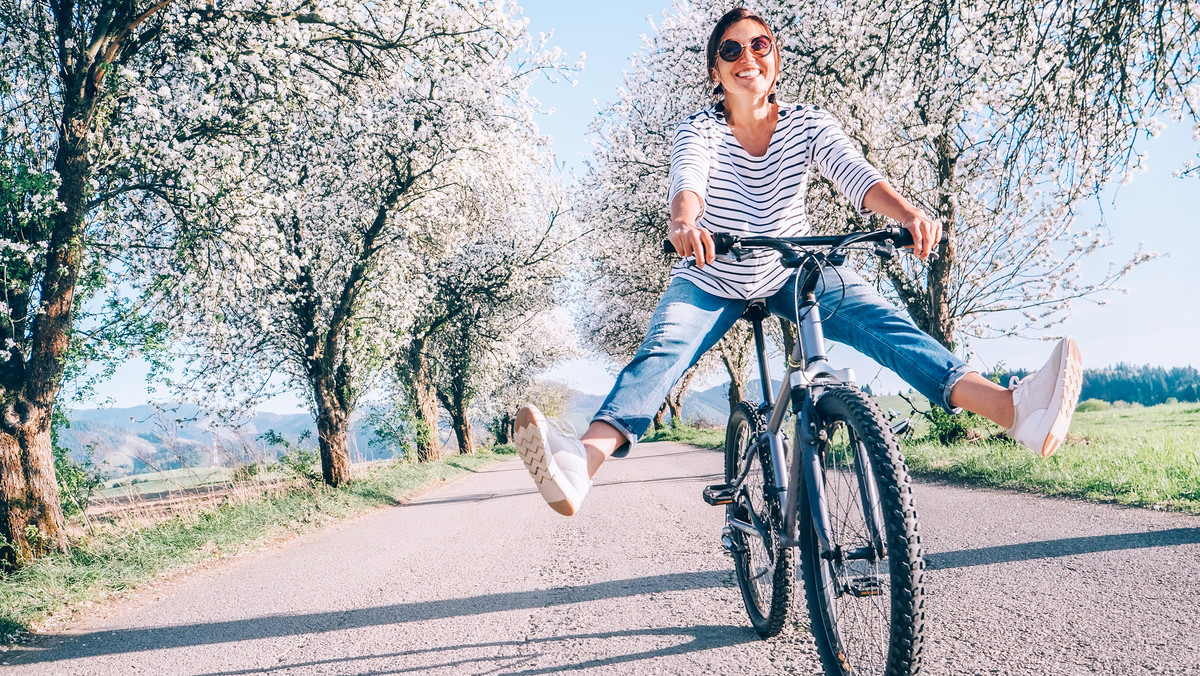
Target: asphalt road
(480, 577)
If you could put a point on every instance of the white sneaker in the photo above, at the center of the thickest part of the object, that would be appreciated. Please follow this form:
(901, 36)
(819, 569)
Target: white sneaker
(557, 462)
(1044, 401)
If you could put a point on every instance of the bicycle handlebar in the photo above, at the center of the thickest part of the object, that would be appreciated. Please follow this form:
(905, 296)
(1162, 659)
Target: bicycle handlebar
(900, 237)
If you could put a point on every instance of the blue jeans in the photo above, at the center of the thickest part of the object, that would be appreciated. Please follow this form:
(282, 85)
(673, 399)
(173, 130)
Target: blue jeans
(689, 321)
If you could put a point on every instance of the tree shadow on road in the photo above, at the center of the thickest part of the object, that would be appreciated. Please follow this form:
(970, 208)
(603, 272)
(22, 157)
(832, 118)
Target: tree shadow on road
(481, 496)
(107, 642)
(1048, 549)
(514, 657)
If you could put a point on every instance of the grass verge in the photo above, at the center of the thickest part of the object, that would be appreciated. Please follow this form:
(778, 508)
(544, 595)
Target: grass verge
(1130, 455)
(1144, 457)
(115, 559)
(704, 437)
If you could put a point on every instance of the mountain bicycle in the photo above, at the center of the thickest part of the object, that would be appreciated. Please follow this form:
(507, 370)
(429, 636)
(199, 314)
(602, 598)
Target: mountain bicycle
(842, 498)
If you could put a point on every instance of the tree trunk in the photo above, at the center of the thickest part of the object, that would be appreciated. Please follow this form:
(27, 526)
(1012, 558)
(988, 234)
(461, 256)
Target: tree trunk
(463, 433)
(29, 500)
(942, 323)
(788, 330)
(502, 427)
(31, 516)
(422, 396)
(675, 397)
(737, 375)
(333, 426)
(660, 417)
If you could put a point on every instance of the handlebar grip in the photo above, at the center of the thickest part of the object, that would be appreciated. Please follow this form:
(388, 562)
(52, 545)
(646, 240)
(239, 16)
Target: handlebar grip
(905, 238)
(723, 241)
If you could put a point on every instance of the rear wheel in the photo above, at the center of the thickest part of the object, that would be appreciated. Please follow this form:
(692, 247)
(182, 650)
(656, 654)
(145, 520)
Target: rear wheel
(865, 597)
(765, 572)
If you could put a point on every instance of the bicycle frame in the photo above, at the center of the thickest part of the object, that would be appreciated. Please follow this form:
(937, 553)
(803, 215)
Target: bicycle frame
(808, 372)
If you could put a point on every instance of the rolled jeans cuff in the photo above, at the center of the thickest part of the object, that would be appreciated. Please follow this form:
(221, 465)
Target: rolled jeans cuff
(619, 425)
(948, 384)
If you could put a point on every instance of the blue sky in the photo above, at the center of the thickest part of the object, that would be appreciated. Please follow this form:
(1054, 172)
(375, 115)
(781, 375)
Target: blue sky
(1157, 322)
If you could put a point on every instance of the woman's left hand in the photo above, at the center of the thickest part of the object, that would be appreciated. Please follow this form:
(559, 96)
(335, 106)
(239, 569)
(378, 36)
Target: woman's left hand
(925, 232)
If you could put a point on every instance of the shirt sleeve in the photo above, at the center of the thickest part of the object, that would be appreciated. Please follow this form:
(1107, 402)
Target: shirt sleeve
(690, 160)
(840, 161)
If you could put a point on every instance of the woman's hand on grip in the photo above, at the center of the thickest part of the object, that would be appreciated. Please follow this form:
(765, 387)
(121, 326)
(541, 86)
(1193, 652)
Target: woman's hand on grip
(692, 240)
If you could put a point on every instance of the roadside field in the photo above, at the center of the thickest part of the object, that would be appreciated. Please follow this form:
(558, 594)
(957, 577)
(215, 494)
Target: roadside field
(1140, 456)
(1129, 455)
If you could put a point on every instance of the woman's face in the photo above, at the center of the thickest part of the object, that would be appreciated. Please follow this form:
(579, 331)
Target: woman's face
(750, 75)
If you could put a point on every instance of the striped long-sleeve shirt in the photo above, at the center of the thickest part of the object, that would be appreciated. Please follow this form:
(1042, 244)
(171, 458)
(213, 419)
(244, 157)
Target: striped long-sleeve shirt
(761, 196)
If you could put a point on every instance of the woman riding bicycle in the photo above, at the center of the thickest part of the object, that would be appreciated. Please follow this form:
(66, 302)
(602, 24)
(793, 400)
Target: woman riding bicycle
(741, 166)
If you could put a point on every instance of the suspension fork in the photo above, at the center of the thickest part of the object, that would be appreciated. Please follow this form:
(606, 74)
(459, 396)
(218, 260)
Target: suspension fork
(809, 350)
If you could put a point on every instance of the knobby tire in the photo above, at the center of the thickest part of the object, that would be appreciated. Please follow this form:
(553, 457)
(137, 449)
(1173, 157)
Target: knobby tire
(765, 572)
(858, 633)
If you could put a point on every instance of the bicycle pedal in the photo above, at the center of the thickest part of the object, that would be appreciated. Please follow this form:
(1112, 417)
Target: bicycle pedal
(865, 586)
(718, 494)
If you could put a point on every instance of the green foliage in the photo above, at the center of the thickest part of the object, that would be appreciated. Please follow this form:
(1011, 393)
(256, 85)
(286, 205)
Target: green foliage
(504, 449)
(77, 481)
(947, 429)
(1092, 405)
(247, 472)
(303, 462)
(499, 427)
(395, 430)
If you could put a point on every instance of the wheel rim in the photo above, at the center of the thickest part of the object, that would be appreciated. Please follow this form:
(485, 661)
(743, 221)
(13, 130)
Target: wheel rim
(857, 591)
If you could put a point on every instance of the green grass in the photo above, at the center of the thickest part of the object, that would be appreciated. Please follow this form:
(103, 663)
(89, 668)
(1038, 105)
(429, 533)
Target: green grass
(704, 437)
(1145, 457)
(1129, 455)
(117, 559)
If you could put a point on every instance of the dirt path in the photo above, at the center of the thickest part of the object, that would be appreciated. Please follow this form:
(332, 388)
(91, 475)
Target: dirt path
(481, 577)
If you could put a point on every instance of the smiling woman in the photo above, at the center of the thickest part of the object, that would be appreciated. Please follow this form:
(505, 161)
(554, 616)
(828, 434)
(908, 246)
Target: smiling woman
(741, 167)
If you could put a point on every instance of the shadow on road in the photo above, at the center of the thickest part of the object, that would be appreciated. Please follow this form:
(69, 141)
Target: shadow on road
(1048, 549)
(508, 656)
(480, 497)
(159, 638)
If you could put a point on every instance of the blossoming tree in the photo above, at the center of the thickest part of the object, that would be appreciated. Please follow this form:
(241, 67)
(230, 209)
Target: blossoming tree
(997, 118)
(315, 279)
(109, 107)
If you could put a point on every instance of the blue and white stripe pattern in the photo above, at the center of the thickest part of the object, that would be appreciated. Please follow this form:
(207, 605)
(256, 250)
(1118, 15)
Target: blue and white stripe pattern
(761, 196)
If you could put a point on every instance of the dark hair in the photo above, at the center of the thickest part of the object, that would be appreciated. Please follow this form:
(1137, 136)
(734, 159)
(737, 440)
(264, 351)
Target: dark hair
(714, 41)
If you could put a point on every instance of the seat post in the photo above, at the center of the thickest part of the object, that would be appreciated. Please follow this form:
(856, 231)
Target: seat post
(756, 312)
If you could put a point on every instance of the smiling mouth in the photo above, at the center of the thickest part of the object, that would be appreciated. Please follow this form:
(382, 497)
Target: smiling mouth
(747, 74)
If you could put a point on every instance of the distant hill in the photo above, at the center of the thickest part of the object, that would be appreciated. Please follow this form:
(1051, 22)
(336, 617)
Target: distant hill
(709, 406)
(143, 438)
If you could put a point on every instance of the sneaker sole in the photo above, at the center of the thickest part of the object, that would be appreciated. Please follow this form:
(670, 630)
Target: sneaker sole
(1070, 385)
(531, 446)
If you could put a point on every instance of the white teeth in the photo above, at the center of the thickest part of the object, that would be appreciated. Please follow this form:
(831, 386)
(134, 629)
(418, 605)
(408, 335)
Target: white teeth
(749, 73)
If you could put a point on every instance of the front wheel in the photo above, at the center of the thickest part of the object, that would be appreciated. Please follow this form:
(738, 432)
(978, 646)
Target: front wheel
(765, 572)
(865, 596)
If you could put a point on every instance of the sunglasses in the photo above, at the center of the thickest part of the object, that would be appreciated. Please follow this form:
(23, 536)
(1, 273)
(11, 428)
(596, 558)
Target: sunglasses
(731, 50)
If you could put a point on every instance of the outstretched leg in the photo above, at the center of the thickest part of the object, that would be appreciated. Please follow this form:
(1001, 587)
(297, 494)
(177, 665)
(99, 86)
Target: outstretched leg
(1037, 410)
(686, 323)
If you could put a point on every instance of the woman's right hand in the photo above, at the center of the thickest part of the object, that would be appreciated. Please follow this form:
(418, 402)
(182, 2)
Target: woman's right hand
(690, 239)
